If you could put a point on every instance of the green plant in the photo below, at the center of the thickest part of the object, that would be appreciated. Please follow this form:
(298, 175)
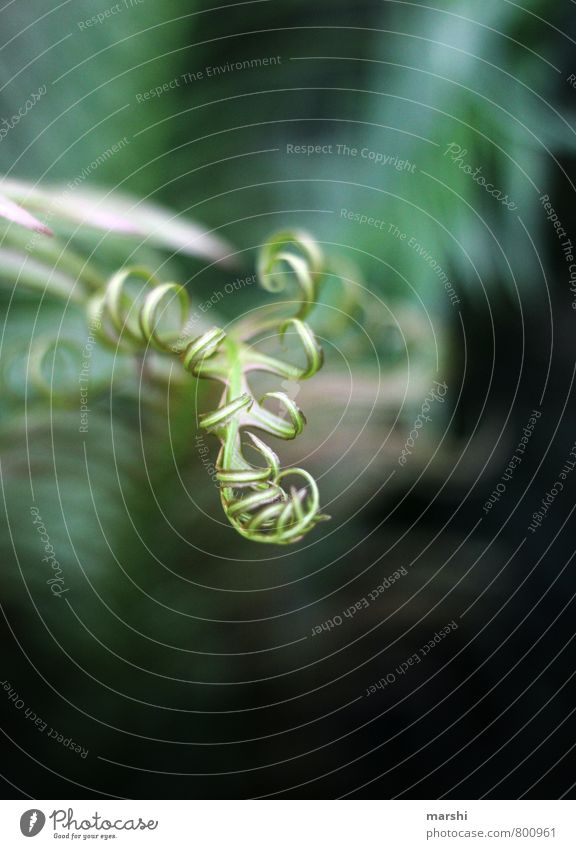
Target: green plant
(253, 498)
(136, 314)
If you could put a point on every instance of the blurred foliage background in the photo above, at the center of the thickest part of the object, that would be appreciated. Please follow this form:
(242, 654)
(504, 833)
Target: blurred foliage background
(179, 636)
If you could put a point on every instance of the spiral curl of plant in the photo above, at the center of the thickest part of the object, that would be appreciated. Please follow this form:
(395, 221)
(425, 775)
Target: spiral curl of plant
(255, 499)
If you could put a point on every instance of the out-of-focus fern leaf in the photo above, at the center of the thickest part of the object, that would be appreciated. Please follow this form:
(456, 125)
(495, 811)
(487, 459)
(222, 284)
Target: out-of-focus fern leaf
(114, 212)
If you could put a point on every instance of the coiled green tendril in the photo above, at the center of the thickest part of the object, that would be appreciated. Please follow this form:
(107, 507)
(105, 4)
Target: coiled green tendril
(255, 498)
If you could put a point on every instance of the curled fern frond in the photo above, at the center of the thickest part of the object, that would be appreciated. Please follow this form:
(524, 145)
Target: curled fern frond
(296, 254)
(137, 313)
(131, 320)
(196, 351)
(270, 514)
(254, 498)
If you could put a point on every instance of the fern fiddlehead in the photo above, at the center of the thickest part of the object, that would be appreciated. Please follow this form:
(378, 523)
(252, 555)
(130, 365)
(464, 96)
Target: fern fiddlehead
(154, 321)
(255, 498)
